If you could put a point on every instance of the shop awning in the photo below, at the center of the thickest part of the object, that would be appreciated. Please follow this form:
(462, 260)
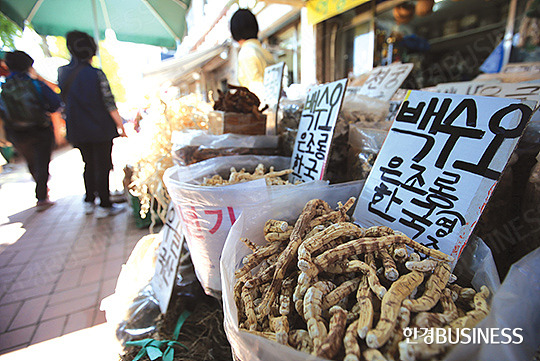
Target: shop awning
(153, 22)
(173, 70)
(319, 10)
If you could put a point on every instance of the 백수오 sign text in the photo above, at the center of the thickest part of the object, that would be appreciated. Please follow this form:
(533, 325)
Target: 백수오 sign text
(439, 164)
(312, 144)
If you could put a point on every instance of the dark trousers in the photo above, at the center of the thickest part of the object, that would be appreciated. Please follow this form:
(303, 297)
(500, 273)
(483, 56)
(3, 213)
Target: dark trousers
(36, 147)
(97, 164)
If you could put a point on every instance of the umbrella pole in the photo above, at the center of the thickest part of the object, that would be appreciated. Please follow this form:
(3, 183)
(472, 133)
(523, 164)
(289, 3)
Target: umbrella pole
(96, 30)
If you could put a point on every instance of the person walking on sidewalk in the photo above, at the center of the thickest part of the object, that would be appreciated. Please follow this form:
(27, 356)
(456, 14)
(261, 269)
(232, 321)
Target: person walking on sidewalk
(92, 120)
(25, 107)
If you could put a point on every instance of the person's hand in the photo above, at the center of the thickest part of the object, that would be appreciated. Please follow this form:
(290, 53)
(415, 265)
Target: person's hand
(122, 131)
(33, 73)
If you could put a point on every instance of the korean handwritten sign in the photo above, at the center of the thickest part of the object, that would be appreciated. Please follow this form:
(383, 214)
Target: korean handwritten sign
(383, 81)
(524, 91)
(167, 258)
(439, 165)
(273, 80)
(532, 67)
(312, 144)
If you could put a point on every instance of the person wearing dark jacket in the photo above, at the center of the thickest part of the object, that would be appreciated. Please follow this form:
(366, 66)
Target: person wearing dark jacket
(92, 120)
(25, 107)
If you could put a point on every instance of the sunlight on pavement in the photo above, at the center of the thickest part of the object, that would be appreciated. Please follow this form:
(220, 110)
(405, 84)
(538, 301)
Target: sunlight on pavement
(15, 198)
(66, 174)
(10, 233)
(91, 344)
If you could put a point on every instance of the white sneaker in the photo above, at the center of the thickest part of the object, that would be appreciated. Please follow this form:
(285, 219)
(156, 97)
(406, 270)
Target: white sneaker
(44, 204)
(89, 207)
(114, 209)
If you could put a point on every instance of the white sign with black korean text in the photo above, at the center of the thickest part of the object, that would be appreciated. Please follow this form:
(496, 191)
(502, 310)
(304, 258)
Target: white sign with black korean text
(523, 91)
(273, 80)
(532, 67)
(167, 258)
(439, 165)
(384, 81)
(315, 131)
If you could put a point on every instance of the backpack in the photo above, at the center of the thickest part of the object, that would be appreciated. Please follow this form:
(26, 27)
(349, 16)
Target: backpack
(24, 108)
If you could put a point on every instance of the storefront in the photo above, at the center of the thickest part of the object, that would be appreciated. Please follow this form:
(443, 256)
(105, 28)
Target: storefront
(210, 60)
(446, 40)
(414, 170)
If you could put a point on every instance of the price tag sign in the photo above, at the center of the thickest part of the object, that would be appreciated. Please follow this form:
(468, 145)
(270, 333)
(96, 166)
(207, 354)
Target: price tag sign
(273, 80)
(532, 67)
(523, 91)
(439, 165)
(312, 144)
(167, 258)
(383, 81)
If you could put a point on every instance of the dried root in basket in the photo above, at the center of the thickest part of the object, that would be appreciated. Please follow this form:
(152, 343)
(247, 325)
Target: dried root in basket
(391, 304)
(332, 289)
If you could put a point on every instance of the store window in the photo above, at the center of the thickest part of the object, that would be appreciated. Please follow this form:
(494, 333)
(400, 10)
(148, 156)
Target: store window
(346, 44)
(527, 27)
(447, 40)
(356, 43)
(285, 45)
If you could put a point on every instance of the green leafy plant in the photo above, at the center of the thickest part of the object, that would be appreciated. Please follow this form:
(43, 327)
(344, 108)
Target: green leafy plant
(8, 32)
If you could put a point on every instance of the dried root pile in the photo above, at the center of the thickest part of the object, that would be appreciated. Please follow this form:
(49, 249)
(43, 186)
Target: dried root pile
(189, 112)
(238, 100)
(272, 177)
(330, 288)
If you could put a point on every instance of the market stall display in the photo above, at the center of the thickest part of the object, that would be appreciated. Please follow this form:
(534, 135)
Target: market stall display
(328, 287)
(189, 112)
(289, 114)
(358, 110)
(135, 312)
(192, 146)
(209, 212)
(296, 275)
(237, 111)
(271, 177)
(364, 145)
(475, 268)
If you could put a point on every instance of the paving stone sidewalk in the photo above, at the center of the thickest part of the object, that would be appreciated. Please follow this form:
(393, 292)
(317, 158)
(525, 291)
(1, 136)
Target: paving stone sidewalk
(55, 266)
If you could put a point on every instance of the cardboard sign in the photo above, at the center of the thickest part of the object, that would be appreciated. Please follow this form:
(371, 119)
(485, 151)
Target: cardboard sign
(523, 91)
(167, 258)
(532, 67)
(439, 165)
(383, 81)
(273, 80)
(312, 144)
